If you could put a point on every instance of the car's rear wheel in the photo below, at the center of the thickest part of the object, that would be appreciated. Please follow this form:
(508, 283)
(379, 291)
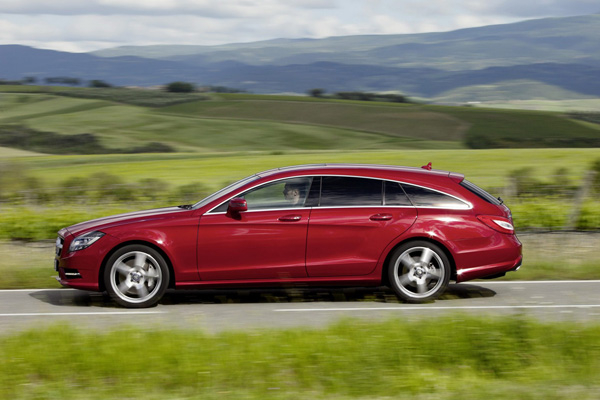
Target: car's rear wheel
(136, 276)
(419, 271)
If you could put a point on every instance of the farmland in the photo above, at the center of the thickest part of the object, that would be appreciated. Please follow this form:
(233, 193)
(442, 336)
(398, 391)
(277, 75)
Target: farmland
(226, 137)
(242, 122)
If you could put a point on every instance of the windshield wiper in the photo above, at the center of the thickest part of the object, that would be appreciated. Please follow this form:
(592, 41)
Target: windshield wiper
(186, 206)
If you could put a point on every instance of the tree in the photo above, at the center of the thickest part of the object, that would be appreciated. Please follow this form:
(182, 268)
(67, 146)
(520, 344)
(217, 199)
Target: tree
(96, 83)
(65, 80)
(180, 87)
(316, 92)
(29, 79)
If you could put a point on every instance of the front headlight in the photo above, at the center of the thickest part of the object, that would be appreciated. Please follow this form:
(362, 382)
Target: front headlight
(84, 241)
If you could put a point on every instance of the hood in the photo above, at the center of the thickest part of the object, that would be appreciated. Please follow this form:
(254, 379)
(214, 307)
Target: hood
(122, 219)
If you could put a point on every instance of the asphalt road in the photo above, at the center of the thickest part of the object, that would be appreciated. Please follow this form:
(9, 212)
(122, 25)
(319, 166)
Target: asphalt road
(218, 310)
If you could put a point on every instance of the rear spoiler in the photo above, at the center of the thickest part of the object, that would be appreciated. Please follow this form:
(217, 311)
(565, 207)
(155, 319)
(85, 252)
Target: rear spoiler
(455, 176)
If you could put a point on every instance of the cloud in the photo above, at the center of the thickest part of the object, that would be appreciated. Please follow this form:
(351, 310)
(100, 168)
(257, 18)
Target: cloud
(532, 9)
(207, 8)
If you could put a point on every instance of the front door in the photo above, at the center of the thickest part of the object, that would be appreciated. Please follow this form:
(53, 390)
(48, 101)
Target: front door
(266, 242)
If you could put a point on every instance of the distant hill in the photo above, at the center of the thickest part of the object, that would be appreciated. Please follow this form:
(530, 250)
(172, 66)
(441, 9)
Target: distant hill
(548, 40)
(550, 58)
(22, 61)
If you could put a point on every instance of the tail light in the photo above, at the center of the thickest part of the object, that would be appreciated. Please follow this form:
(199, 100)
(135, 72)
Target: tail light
(499, 224)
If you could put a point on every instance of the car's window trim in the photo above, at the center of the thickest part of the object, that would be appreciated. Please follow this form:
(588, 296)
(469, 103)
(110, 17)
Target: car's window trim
(468, 204)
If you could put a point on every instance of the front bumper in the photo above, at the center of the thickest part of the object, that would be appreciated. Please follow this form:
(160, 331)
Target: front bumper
(81, 269)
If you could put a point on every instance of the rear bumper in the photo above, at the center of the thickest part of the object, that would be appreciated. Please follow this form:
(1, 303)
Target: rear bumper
(488, 271)
(501, 254)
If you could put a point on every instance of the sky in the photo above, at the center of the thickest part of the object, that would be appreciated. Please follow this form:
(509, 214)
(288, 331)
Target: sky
(87, 25)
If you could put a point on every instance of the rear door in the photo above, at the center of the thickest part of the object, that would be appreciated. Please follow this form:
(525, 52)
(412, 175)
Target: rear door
(351, 224)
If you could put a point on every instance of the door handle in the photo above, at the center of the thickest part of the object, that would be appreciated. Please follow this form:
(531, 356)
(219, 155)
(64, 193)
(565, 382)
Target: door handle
(381, 217)
(290, 218)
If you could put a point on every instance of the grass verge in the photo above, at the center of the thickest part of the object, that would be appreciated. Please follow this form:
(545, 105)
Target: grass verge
(449, 358)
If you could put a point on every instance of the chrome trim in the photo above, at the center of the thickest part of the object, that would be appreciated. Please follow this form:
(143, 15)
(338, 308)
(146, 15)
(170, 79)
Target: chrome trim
(59, 246)
(317, 208)
(467, 203)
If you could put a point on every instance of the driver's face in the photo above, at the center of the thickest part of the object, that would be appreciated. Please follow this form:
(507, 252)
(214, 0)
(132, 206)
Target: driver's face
(292, 195)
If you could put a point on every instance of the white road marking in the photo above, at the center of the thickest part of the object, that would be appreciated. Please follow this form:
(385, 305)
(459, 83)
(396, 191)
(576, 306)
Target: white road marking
(52, 314)
(421, 308)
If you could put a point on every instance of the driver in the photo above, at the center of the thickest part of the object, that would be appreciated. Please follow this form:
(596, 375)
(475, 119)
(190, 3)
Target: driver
(294, 192)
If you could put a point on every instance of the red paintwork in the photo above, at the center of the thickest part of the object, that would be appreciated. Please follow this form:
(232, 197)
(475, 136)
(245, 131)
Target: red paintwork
(347, 242)
(333, 246)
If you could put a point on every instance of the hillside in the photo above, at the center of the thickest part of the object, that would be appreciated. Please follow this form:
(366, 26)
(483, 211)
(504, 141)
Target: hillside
(272, 123)
(551, 58)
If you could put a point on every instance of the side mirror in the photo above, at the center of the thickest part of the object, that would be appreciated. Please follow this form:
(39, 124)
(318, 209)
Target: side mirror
(237, 205)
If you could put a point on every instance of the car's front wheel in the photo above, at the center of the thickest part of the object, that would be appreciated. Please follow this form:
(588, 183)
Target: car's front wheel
(136, 276)
(419, 271)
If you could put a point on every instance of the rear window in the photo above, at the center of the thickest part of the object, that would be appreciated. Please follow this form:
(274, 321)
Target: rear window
(473, 188)
(395, 196)
(347, 191)
(422, 197)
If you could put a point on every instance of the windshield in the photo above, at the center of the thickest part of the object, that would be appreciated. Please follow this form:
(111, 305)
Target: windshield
(224, 191)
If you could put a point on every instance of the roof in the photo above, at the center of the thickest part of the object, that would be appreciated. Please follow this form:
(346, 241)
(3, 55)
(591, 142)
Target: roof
(321, 168)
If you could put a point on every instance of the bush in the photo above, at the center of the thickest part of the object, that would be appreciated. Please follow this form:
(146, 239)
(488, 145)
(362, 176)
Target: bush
(21, 137)
(191, 193)
(96, 83)
(363, 96)
(153, 189)
(596, 180)
(180, 87)
(136, 97)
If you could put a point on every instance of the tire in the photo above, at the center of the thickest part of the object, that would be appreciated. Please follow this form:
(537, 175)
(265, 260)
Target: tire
(136, 276)
(419, 271)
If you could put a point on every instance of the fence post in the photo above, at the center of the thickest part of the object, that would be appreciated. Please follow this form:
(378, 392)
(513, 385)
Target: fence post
(580, 197)
(510, 189)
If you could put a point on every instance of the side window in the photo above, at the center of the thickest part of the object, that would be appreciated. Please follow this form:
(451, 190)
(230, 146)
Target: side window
(345, 191)
(286, 193)
(395, 196)
(422, 197)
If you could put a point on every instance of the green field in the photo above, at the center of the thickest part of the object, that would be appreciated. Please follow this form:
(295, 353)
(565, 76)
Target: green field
(228, 137)
(241, 122)
(487, 168)
(232, 136)
(140, 181)
(447, 358)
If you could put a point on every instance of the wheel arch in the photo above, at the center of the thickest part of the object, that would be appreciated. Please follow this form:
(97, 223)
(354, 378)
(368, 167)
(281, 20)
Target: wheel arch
(101, 283)
(386, 262)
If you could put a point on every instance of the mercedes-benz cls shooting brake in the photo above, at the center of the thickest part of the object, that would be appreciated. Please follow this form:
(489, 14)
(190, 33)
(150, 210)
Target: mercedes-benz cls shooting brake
(412, 229)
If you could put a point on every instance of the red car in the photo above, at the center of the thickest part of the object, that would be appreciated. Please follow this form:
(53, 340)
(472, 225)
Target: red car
(412, 229)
